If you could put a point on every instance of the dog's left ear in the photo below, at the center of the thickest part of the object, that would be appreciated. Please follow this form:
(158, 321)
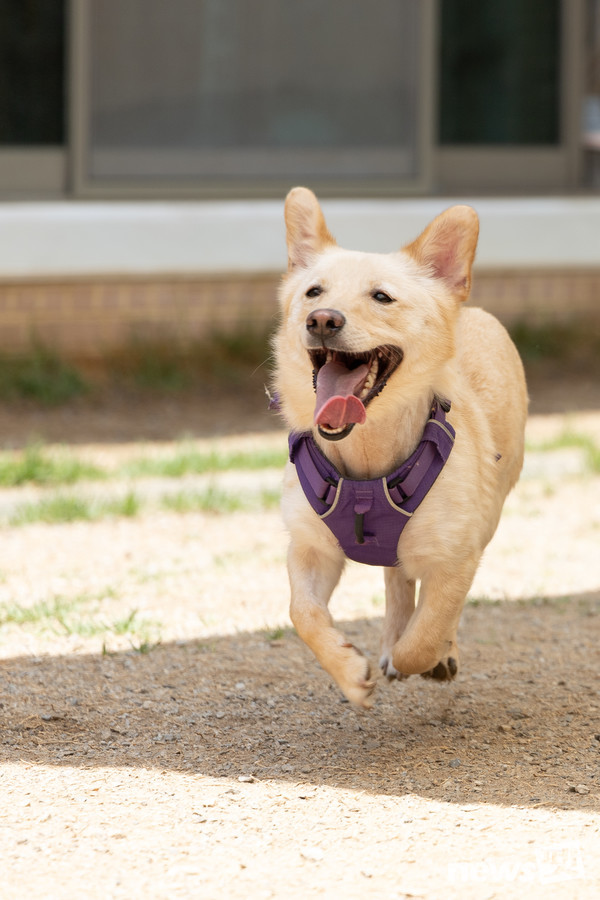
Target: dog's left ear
(307, 234)
(447, 248)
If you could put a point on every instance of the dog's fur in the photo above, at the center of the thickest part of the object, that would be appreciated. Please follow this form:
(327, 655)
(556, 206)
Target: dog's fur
(464, 355)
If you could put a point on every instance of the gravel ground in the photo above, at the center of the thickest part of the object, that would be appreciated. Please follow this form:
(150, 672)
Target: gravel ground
(202, 752)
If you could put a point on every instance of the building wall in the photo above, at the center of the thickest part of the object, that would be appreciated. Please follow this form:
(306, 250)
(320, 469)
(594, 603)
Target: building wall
(88, 318)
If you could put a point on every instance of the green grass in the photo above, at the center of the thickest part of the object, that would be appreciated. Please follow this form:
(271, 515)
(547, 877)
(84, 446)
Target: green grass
(37, 466)
(173, 363)
(189, 461)
(576, 343)
(215, 500)
(170, 364)
(40, 376)
(81, 616)
(62, 508)
(572, 440)
(277, 633)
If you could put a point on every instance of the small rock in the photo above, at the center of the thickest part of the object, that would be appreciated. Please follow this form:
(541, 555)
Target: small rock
(455, 763)
(504, 728)
(246, 779)
(578, 789)
(312, 854)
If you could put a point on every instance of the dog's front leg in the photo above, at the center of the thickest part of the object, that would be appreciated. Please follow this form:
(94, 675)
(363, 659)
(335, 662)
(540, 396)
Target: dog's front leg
(399, 607)
(314, 574)
(428, 645)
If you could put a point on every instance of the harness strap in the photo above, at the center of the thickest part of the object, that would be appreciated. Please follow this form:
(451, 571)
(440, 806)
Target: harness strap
(323, 484)
(433, 451)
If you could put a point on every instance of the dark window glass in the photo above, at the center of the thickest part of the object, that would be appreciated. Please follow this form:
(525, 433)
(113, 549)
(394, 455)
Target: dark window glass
(32, 49)
(500, 72)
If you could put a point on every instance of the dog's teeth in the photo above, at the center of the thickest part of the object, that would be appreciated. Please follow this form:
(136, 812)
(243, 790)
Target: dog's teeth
(329, 356)
(370, 379)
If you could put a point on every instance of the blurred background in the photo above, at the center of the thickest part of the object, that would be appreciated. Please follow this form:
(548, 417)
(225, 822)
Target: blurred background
(146, 147)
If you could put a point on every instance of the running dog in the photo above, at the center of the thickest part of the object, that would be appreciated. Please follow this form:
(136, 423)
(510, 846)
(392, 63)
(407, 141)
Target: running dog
(407, 414)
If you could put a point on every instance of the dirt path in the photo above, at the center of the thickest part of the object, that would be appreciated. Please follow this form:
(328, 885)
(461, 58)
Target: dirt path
(222, 761)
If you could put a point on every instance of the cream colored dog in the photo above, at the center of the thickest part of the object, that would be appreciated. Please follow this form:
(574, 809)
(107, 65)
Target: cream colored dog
(394, 326)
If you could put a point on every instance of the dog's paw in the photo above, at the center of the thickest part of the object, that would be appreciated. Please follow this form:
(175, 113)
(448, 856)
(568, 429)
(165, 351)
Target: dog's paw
(389, 671)
(354, 677)
(446, 670)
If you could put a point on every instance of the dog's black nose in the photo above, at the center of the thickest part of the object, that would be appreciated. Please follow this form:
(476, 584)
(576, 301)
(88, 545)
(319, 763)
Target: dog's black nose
(325, 322)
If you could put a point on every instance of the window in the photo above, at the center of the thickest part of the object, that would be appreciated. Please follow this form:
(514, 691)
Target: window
(228, 94)
(500, 72)
(32, 96)
(510, 84)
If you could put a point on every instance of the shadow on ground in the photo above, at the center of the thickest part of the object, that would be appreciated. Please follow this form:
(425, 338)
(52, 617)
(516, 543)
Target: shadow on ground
(520, 726)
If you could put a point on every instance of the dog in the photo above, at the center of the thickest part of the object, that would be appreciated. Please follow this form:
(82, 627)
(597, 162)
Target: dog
(379, 368)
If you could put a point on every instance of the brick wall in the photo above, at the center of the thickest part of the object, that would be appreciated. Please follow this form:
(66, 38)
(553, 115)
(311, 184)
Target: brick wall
(88, 318)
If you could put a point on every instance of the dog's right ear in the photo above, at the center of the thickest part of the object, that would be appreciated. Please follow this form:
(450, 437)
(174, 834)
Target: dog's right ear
(307, 234)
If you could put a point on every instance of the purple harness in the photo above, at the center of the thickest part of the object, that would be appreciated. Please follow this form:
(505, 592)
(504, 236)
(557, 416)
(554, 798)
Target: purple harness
(368, 517)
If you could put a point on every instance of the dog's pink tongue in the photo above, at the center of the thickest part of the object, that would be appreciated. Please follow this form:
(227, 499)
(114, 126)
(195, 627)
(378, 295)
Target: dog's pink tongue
(337, 404)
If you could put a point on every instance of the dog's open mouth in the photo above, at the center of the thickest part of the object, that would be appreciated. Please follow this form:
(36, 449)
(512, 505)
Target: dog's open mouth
(345, 383)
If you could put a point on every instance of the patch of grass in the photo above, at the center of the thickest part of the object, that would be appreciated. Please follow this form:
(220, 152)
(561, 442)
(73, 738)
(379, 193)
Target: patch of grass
(160, 368)
(173, 363)
(70, 613)
(80, 616)
(62, 508)
(35, 465)
(143, 634)
(190, 461)
(215, 500)
(572, 440)
(276, 634)
(52, 510)
(577, 344)
(38, 465)
(40, 376)
(37, 614)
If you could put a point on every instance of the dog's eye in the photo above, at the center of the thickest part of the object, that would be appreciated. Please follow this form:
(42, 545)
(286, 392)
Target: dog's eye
(314, 291)
(382, 297)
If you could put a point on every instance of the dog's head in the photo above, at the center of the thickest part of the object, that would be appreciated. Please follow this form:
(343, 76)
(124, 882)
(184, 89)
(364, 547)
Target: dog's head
(355, 323)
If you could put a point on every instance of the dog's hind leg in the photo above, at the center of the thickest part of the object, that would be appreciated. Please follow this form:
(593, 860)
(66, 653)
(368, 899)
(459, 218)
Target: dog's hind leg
(428, 645)
(399, 607)
(313, 576)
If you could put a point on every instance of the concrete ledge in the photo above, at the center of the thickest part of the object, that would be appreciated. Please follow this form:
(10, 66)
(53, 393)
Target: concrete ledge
(39, 240)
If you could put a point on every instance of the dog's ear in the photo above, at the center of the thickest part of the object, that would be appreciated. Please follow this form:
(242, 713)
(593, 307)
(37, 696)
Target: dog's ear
(447, 248)
(307, 233)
